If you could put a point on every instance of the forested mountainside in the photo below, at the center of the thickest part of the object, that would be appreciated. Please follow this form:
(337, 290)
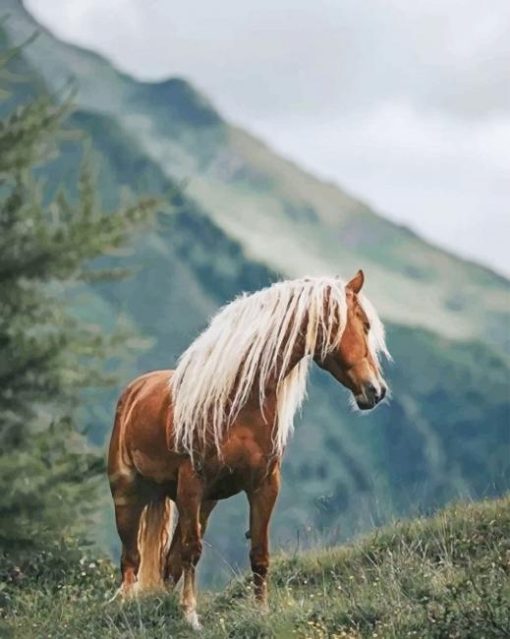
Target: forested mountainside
(445, 432)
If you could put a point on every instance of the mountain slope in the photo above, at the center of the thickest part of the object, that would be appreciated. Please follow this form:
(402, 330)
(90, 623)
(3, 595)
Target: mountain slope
(446, 576)
(281, 215)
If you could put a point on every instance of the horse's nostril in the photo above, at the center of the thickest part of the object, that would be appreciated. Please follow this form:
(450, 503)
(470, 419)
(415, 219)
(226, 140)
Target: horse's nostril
(374, 392)
(371, 390)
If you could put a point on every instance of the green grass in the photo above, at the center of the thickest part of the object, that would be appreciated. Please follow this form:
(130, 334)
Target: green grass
(446, 576)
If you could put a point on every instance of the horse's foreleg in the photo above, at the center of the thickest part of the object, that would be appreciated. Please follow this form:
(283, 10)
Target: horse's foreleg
(262, 501)
(173, 570)
(189, 500)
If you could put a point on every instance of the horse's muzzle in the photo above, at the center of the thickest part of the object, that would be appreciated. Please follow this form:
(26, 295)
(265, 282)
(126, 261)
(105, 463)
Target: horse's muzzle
(371, 396)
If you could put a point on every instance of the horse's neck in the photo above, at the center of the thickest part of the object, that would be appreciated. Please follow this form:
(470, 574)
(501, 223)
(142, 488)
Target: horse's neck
(282, 369)
(283, 366)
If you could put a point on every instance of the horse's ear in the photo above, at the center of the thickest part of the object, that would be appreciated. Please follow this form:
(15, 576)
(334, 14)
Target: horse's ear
(356, 284)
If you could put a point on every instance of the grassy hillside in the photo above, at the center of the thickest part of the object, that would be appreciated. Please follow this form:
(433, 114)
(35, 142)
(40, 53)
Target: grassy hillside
(447, 576)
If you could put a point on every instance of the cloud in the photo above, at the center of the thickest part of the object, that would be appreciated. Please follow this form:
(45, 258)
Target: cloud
(405, 103)
(313, 54)
(448, 178)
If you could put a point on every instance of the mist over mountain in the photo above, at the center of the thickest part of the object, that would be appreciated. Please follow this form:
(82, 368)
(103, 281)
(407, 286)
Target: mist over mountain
(246, 217)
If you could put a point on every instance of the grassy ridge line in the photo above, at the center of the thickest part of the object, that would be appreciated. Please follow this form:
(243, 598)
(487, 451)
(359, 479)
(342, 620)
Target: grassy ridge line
(439, 577)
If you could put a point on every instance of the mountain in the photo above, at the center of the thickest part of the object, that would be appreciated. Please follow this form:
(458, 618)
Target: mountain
(278, 213)
(246, 217)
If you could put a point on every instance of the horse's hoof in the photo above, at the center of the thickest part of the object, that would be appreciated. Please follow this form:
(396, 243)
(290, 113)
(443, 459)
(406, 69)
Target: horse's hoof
(126, 592)
(192, 618)
(118, 594)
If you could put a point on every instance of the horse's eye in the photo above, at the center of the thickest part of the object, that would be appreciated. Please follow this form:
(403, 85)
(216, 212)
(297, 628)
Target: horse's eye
(366, 326)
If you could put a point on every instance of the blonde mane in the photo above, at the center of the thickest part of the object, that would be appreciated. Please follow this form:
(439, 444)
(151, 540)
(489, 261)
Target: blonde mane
(249, 344)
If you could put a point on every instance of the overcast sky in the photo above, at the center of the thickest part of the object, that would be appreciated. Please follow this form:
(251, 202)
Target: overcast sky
(405, 103)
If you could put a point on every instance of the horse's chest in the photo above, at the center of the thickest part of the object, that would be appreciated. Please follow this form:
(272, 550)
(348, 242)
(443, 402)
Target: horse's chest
(224, 484)
(244, 465)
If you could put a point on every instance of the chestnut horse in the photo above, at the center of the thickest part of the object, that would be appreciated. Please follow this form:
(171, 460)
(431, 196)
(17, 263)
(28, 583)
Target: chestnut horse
(219, 423)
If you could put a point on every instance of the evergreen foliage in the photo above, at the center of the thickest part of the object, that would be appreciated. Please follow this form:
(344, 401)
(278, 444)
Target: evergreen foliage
(49, 244)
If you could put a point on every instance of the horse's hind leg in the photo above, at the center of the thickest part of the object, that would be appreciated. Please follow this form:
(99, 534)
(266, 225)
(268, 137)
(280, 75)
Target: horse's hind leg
(130, 501)
(173, 568)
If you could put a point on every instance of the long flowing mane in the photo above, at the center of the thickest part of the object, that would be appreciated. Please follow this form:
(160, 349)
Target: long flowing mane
(249, 344)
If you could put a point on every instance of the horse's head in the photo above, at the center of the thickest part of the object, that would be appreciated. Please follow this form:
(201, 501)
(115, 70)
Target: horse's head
(353, 362)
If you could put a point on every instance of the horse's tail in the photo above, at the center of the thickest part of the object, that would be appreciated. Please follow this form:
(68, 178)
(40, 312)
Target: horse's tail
(154, 535)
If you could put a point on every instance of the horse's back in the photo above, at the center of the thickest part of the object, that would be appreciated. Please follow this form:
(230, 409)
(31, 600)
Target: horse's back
(139, 437)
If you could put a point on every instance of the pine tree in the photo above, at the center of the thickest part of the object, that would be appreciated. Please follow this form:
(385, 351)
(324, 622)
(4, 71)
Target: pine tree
(49, 243)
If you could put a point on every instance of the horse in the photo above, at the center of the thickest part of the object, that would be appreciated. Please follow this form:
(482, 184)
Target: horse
(219, 423)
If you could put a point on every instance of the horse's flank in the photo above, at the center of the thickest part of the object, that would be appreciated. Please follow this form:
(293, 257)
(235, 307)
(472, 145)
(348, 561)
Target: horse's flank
(259, 342)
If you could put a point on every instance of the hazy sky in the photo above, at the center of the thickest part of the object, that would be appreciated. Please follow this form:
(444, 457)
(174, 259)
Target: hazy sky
(405, 103)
